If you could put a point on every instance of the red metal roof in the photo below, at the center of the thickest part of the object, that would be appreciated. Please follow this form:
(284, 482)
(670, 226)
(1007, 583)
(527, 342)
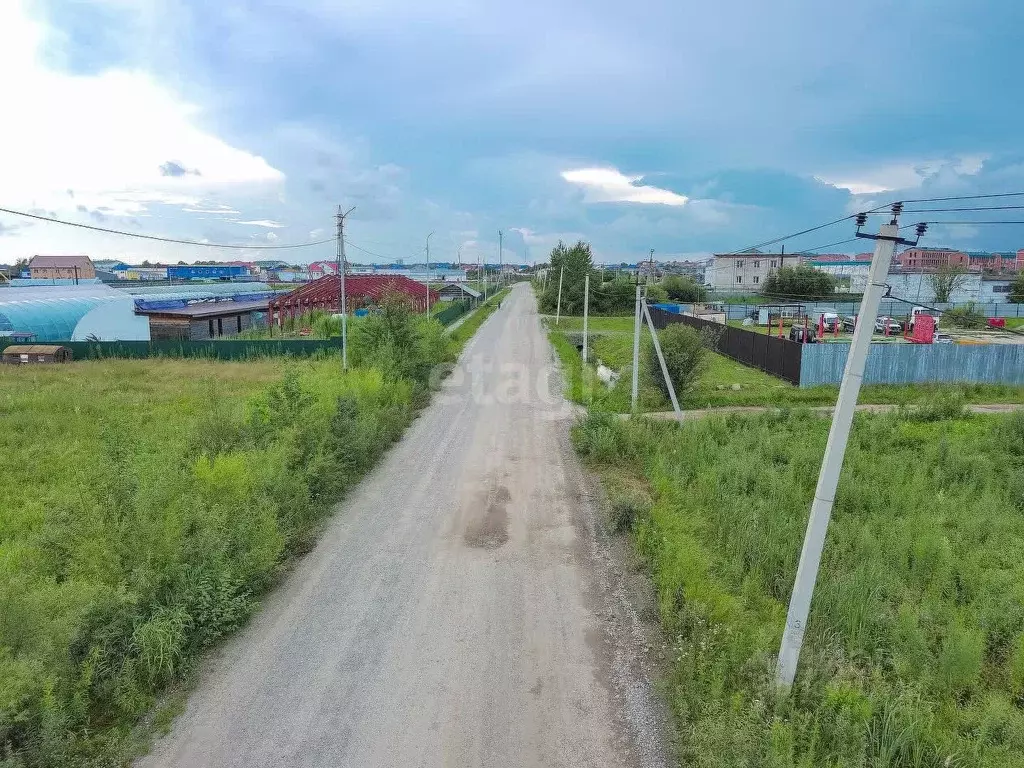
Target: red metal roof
(360, 290)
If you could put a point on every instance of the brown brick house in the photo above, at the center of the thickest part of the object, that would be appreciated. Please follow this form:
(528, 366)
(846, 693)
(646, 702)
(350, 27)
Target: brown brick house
(62, 268)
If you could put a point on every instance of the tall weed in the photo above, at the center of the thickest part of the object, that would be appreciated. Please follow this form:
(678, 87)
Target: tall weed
(914, 654)
(145, 507)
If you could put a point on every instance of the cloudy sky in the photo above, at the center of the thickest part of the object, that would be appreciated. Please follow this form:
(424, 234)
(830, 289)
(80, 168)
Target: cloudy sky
(668, 124)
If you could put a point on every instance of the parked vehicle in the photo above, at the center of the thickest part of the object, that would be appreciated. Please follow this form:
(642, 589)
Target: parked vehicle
(849, 323)
(916, 312)
(895, 327)
(829, 321)
(942, 338)
(802, 335)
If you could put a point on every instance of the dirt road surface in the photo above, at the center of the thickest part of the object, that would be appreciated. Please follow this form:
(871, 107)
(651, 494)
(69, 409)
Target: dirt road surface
(459, 610)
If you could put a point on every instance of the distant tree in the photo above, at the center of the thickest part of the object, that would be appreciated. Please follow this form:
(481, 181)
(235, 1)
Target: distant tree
(800, 282)
(577, 261)
(1017, 289)
(656, 294)
(683, 289)
(946, 280)
(613, 297)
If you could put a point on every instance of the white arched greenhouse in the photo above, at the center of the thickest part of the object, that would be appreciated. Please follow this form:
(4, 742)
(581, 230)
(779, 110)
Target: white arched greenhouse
(97, 311)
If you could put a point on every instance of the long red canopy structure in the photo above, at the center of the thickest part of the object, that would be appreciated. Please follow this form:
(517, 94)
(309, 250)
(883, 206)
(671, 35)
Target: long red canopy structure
(360, 291)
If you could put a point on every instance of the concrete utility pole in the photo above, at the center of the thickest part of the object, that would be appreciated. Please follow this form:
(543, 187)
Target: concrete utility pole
(650, 272)
(661, 362)
(341, 269)
(586, 306)
(501, 275)
(428, 273)
(558, 308)
(636, 349)
(835, 449)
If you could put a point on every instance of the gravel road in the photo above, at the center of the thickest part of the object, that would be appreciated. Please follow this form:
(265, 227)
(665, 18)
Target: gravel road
(460, 609)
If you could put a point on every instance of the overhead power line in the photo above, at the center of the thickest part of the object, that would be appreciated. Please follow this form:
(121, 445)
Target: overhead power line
(827, 245)
(795, 234)
(964, 197)
(368, 252)
(972, 223)
(884, 210)
(159, 239)
(968, 208)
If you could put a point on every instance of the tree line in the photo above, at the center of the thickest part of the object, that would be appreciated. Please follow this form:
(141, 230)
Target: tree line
(611, 293)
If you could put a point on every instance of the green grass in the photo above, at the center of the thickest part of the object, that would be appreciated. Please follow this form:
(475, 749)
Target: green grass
(145, 506)
(594, 324)
(914, 653)
(756, 388)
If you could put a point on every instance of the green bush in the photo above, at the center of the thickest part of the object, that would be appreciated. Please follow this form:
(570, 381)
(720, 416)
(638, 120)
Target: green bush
(398, 341)
(967, 316)
(800, 282)
(686, 358)
(684, 289)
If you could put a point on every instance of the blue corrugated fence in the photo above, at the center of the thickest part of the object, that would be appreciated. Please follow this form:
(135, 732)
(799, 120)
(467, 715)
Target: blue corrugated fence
(912, 363)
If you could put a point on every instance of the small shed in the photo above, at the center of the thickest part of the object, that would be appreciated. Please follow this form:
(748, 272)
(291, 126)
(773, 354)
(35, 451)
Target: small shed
(457, 292)
(204, 320)
(769, 314)
(24, 354)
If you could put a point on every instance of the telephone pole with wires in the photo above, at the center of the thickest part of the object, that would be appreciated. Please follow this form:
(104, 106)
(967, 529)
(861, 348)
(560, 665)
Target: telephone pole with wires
(428, 273)
(835, 449)
(500, 257)
(342, 268)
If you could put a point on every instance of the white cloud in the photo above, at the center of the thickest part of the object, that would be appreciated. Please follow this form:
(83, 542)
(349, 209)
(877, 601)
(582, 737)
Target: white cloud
(117, 139)
(271, 236)
(269, 224)
(315, 234)
(607, 185)
(886, 178)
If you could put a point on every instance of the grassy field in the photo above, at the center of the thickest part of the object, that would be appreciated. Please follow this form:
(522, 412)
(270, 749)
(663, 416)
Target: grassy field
(726, 382)
(145, 505)
(914, 653)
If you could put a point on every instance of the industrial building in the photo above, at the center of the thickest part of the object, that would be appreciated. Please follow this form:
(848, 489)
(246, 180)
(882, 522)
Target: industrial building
(207, 272)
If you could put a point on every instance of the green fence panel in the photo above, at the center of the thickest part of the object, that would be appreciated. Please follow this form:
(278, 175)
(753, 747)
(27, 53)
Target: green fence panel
(240, 349)
(450, 314)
